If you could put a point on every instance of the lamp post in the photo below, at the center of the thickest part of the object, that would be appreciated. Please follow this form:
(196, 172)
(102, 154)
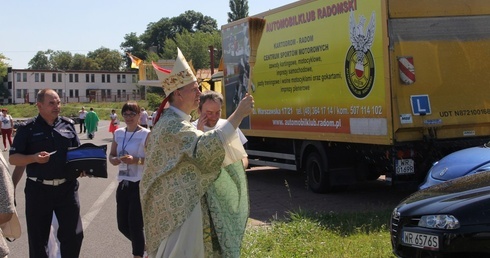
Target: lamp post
(211, 57)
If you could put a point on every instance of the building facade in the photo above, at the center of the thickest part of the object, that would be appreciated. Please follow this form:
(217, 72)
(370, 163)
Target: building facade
(72, 86)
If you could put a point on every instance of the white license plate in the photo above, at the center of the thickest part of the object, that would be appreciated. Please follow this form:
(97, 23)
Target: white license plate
(404, 166)
(422, 241)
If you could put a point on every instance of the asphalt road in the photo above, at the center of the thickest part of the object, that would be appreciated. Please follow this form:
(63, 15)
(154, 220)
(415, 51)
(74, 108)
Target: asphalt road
(273, 193)
(98, 210)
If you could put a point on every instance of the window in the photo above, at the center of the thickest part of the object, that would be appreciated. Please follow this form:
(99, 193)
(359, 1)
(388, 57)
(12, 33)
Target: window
(20, 93)
(71, 93)
(24, 77)
(88, 78)
(106, 77)
(76, 77)
(39, 77)
(70, 76)
(54, 77)
(109, 93)
(60, 76)
(18, 77)
(118, 93)
(121, 78)
(60, 92)
(134, 78)
(76, 94)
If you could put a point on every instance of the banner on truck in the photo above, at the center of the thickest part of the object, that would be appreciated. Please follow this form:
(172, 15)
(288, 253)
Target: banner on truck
(316, 70)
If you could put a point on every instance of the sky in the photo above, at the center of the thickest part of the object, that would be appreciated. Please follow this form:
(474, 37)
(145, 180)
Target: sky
(29, 26)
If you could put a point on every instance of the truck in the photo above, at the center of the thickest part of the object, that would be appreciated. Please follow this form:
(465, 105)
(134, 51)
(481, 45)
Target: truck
(350, 90)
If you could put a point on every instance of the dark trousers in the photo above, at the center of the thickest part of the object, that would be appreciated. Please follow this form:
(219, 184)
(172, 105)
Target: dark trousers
(130, 216)
(82, 125)
(41, 201)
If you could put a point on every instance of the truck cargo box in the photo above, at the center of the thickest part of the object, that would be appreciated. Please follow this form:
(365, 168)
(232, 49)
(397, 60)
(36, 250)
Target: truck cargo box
(399, 78)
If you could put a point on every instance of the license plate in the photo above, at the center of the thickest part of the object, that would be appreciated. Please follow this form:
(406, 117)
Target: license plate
(404, 166)
(423, 241)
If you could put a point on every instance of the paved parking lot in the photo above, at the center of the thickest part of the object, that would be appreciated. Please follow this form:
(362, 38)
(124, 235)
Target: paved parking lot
(274, 192)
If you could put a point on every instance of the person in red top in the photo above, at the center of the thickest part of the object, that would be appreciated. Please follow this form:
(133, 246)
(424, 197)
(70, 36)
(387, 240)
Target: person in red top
(114, 122)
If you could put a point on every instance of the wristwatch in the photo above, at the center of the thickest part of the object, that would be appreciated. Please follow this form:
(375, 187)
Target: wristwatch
(139, 161)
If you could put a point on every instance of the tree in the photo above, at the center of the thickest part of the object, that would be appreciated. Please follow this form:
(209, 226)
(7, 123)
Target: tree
(4, 93)
(194, 46)
(100, 59)
(154, 99)
(60, 60)
(193, 21)
(106, 59)
(157, 33)
(3, 66)
(134, 45)
(239, 10)
(40, 61)
(81, 62)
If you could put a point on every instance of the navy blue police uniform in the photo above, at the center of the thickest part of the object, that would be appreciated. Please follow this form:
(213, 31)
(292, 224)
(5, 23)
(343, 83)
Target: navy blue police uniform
(47, 190)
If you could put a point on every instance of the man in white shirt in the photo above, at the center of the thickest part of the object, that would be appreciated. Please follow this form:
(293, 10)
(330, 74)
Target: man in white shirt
(153, 117)
(144, 118)
(81, 115)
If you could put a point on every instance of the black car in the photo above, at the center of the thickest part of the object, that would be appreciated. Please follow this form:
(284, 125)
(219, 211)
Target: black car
(451, 219)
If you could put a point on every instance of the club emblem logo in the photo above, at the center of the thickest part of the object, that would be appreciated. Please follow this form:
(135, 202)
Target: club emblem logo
(359, 62)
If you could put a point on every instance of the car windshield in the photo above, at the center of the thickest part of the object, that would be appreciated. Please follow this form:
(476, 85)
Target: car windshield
(452, 186)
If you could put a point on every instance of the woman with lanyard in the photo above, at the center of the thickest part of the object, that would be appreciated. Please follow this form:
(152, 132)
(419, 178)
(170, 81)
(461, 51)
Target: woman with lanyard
(127, 152)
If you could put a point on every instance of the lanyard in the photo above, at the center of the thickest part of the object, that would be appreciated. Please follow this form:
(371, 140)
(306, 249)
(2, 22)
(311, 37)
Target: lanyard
(124, 140)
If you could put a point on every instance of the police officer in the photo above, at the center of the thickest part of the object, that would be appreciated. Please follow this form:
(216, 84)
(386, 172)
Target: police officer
(41, 145)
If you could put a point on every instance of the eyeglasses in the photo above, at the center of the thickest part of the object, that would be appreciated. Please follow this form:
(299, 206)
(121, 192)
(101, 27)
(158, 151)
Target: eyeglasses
(132, 114)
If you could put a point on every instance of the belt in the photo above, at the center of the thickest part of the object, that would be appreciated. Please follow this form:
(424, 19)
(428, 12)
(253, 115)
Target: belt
(54, 182)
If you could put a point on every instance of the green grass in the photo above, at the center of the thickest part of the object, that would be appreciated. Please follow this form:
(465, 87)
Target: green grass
(342, 235)
(103, 109)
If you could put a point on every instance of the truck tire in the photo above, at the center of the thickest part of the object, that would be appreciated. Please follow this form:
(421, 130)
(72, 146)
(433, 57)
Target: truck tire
(317, 174)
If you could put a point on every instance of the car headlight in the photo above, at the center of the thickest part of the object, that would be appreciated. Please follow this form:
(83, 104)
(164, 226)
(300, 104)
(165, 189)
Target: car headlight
(440, 221)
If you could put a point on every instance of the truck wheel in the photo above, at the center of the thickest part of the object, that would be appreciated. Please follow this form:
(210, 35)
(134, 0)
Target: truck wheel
(317, 173)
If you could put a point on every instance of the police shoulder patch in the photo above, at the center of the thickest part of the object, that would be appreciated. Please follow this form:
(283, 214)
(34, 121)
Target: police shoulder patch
(28, 122)
(67, 119)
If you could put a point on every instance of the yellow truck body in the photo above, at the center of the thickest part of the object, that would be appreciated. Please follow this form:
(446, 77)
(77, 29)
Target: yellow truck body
(383, 73)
